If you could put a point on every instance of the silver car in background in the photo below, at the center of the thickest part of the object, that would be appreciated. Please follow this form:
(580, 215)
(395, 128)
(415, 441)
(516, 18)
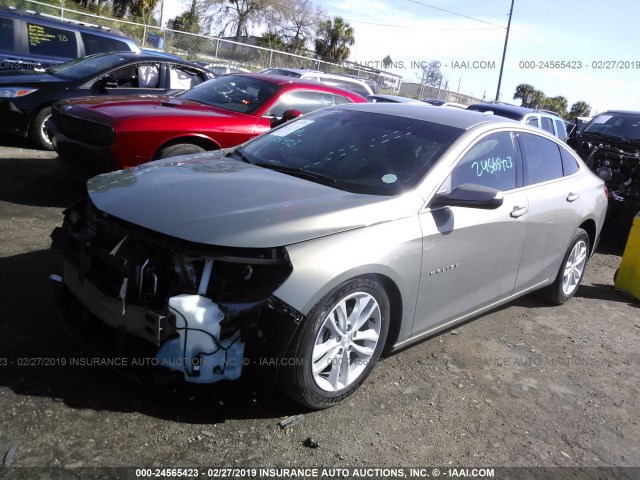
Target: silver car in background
(299, 257)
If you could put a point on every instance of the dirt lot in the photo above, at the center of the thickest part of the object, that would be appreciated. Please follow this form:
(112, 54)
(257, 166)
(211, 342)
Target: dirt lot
(526, 385)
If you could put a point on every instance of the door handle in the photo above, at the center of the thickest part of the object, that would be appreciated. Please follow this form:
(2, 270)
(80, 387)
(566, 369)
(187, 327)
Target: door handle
(518, 211)
(572, 197)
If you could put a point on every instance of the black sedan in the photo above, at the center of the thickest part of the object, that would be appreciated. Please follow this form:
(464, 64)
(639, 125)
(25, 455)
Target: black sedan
(26, 96)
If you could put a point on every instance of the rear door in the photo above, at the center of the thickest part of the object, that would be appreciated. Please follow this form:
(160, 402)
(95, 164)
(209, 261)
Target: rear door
(555, 208)
(470, 255)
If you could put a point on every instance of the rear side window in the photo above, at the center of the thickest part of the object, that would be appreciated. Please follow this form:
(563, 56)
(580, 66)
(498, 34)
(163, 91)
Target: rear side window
(97, 44)
(491, 162)
(54, 42)
(542, 161)
(547, 125)
(182, 78)
(6, 35)
(533, 121)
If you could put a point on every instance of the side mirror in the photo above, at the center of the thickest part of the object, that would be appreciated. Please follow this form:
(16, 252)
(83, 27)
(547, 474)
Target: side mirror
(290, 114)
(471, 196)
(109, 81)
(287, 115)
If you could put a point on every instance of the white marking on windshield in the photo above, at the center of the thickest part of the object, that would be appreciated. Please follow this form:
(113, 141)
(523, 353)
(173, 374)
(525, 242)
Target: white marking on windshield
(292, 127)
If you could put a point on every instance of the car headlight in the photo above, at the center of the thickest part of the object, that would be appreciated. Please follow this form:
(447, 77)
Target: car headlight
(13, 92)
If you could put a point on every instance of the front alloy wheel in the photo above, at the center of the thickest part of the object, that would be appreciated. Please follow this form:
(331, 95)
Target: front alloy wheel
(346, 342)
(338, 344)
(38, 131)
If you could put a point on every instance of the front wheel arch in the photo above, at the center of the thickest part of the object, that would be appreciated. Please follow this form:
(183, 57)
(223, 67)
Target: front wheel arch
(36, 124)
(203, 142)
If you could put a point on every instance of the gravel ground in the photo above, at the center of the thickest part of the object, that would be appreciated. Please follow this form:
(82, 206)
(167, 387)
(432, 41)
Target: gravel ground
(525, 385)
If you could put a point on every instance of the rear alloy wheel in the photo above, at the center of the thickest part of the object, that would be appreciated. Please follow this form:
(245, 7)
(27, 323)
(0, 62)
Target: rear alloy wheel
(179, 149)
(37, 131)
(571, 270)
(339, 344)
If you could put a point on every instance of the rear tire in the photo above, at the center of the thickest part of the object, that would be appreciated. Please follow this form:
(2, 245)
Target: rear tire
(571, 271)
(179, 149)
(338, 344)
(37, 132)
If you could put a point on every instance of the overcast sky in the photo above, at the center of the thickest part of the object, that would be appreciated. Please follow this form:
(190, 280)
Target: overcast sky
(599, 40)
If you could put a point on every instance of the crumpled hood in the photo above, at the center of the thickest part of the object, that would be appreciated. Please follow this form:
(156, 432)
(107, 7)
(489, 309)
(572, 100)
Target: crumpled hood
(214, 200)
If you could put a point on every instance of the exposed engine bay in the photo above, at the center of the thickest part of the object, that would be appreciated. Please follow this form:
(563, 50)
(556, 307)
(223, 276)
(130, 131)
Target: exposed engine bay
(620, 169)
(203, 313)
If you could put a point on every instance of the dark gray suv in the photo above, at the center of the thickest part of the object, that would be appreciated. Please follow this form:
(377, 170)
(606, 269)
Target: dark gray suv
(30, 40)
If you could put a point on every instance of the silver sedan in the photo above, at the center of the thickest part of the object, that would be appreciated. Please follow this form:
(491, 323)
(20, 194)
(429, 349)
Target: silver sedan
(297, 258)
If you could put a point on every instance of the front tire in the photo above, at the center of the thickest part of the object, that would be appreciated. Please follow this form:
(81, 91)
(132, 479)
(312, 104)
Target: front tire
(571, 270)
(338, 345)
(179, 149)
(37, 132)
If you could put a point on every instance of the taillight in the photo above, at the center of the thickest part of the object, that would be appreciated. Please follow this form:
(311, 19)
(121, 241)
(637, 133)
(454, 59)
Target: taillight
(606, 191)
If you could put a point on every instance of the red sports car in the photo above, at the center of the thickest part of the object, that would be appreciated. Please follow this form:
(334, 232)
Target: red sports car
(123, 132)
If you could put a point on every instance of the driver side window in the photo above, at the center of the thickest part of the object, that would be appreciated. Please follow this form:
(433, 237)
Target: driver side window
(491, 162)
(138, 76)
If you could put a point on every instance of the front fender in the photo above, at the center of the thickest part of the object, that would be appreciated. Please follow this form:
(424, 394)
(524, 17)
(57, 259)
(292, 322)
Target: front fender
(392, 249)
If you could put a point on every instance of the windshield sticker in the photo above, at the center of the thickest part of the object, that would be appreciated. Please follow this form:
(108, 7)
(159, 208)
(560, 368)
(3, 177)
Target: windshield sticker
(389, 178)
(292, 127)
(602, 119)
(492, 165)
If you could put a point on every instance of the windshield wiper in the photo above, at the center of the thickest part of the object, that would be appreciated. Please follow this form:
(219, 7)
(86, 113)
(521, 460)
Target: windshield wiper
(243, 156)
(299, 172)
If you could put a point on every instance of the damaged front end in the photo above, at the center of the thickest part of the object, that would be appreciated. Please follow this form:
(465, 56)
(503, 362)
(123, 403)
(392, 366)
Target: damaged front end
(619, 166)
(180, 311)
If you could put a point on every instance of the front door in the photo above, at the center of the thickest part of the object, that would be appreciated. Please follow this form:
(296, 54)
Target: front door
(470, 255)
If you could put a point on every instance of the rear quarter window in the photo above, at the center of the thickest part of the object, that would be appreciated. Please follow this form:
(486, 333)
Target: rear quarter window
(50, 41)
(340, 100)
(569, 163)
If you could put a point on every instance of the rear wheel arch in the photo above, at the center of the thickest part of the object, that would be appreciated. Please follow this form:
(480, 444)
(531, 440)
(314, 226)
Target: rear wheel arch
(589, 226)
